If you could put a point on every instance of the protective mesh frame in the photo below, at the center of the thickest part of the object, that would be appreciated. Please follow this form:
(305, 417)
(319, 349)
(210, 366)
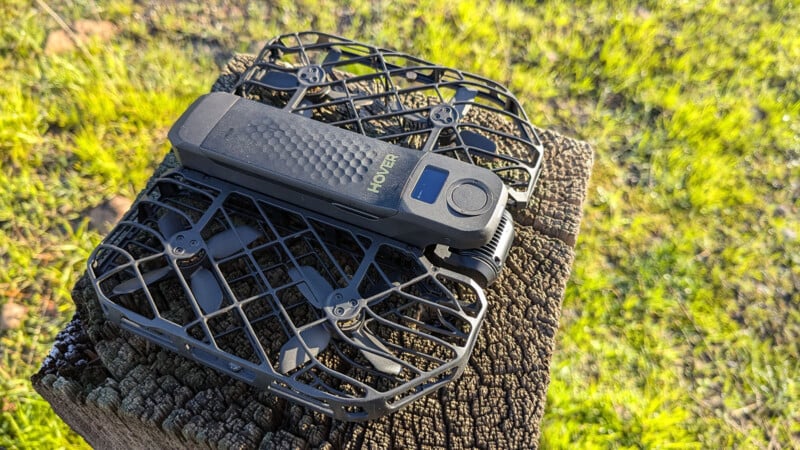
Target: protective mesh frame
(428, 318)
(400, 99)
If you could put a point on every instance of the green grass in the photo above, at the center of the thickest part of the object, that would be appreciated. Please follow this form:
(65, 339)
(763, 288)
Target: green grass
(681, 322)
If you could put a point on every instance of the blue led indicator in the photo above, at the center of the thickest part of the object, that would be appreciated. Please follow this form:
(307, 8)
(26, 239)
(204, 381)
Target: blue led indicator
(429, 184)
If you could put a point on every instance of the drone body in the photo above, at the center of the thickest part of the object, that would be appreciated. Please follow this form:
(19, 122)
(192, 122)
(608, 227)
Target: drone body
(395, 191)
(331, 227)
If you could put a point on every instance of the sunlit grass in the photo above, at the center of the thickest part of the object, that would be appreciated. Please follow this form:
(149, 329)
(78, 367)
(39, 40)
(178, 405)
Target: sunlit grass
(682, 317)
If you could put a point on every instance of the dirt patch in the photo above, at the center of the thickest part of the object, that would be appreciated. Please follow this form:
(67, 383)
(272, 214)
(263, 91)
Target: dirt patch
(12, 315)
(105, 215)
(60, 41)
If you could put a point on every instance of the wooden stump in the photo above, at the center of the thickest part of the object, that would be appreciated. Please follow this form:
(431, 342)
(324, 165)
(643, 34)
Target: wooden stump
(119, 391)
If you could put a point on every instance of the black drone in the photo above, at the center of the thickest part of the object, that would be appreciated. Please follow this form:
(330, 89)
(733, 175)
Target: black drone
(331, 227)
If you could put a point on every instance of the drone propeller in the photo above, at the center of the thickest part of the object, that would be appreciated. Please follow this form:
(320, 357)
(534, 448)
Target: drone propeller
(308, 74)
(294, 355)
(332, 57)
(367, 339)
(204, 285)
(131, 285)
(230, 241)
(282, 81)
(302, 77)
(462, 100)
(462, 97)
(317, 290)
(206, 290)
(479, 141)
(170, 223)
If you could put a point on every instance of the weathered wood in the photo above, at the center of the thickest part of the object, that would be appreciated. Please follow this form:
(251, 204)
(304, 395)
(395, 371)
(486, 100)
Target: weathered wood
(119, 391)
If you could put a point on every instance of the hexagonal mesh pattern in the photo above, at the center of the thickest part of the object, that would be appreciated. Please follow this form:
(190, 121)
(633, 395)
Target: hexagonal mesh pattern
(341, 167)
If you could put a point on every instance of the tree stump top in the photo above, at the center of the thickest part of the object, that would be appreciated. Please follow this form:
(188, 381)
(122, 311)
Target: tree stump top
(120, 391)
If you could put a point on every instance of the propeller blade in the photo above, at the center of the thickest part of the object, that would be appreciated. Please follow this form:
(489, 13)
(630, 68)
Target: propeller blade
(293, 354)
(385, 365)
(464, 94)
(334, 95)
(332, 57)
(305, 104)
(479, 141)
(206, 290)
(132, 285)
(280, 80)
(228, 242)
(315, 287)
(170, 223)
(414, 121)
(462, 100)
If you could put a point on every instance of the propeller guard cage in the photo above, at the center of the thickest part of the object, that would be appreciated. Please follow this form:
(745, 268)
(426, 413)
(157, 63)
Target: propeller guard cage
(401, 99)
(395, 328)
(340, 319)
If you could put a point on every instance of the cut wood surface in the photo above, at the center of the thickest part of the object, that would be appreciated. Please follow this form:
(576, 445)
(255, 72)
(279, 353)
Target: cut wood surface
(119, 391)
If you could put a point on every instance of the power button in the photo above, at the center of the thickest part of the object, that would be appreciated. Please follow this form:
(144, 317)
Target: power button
(469, 197)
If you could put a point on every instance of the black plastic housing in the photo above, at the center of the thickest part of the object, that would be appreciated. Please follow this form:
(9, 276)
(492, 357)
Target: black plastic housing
(482, 264)
(363, 181)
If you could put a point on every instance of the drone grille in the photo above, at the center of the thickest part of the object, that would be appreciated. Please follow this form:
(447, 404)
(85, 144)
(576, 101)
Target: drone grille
(251, 286)
(400, 99)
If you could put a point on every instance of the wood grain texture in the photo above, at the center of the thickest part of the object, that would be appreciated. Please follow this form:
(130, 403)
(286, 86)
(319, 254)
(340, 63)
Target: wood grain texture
(119, 391)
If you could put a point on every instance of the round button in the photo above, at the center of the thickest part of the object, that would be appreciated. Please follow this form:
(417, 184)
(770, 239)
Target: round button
(469, 197)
